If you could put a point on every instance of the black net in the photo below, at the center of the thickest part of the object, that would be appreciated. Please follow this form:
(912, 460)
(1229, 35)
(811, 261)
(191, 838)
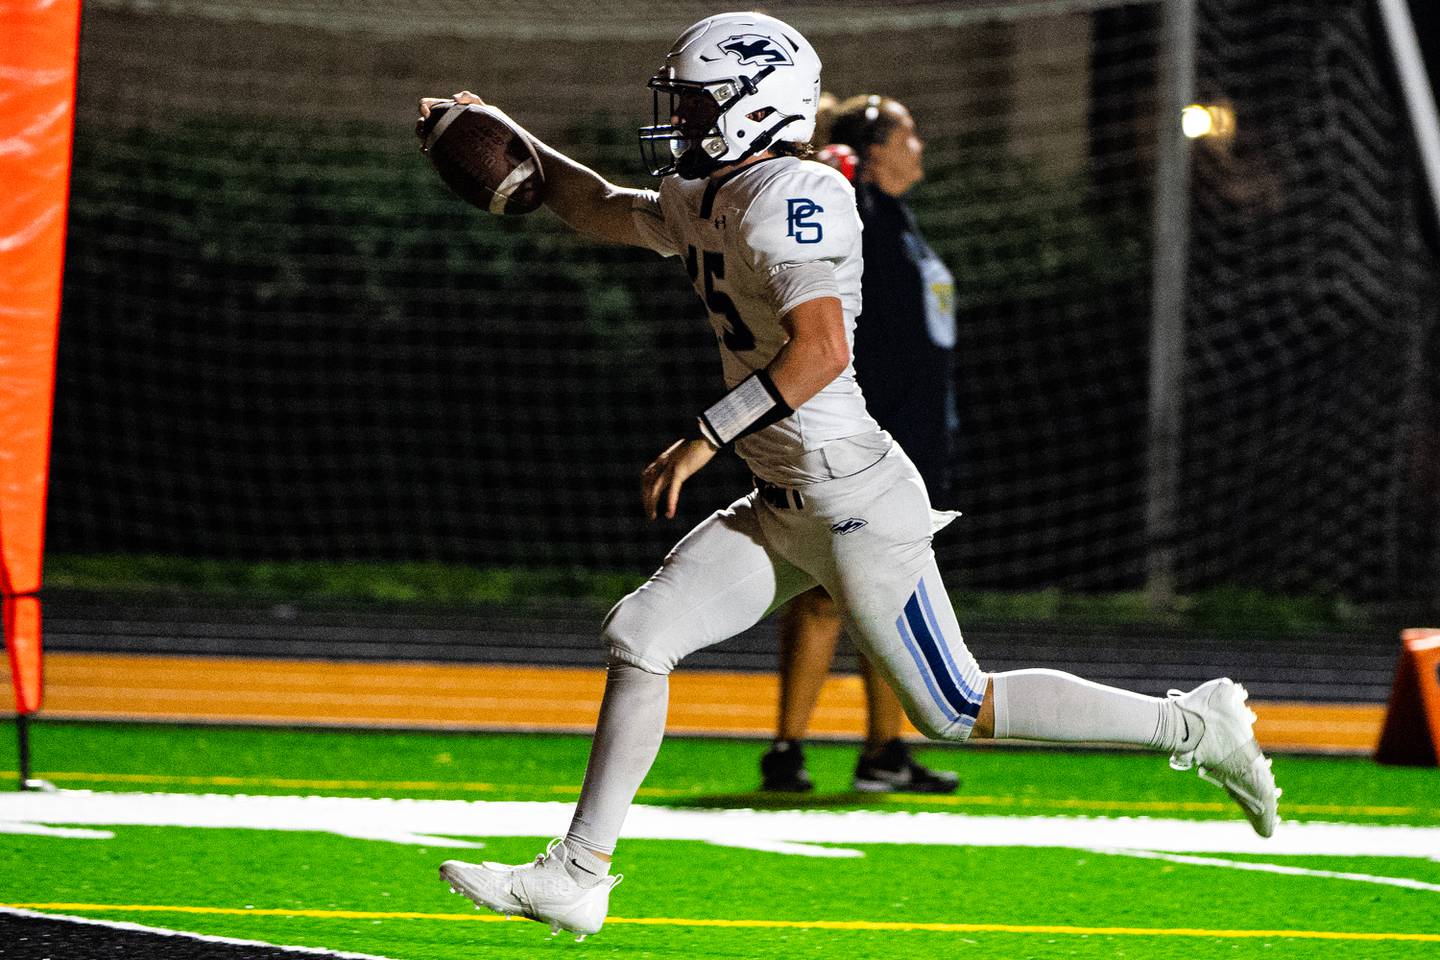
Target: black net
(284, 339)
(1312, 295)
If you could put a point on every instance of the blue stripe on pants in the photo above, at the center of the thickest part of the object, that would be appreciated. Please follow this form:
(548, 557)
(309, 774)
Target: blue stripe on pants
(931, 649)
(955, 671)
(919, 659)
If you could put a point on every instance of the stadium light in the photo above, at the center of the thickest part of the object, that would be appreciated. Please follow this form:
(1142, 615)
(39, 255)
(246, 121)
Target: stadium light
(1207, 120)
(1196, 121)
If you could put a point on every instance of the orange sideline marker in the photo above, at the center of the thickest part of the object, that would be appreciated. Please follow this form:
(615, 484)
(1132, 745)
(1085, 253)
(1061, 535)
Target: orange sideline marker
(1411, 735)
(39, 42)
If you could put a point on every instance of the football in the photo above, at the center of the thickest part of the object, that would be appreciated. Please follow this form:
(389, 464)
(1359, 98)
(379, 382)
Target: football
(482, 156)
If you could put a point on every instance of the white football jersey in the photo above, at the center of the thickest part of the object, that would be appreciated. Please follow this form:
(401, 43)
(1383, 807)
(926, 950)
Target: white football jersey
(757, 243)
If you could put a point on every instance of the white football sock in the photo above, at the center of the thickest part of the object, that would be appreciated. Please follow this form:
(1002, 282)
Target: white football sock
(584, 867)
(1063, 708)
(627, 739)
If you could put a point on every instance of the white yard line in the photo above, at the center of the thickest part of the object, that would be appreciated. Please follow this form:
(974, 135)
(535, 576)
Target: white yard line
(438, 823)
(63, 833)
(1405, 882)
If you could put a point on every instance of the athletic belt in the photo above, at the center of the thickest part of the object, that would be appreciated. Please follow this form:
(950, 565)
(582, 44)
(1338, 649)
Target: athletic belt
(783, 498)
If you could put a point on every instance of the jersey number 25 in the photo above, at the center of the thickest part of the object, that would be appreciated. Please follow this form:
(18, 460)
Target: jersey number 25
(737, 336)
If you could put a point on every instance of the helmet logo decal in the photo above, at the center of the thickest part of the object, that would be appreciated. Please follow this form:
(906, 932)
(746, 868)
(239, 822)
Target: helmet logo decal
(798, 211)
(751, 48)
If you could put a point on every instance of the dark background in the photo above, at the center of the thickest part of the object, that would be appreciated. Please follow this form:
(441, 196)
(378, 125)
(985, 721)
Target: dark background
(282, 339)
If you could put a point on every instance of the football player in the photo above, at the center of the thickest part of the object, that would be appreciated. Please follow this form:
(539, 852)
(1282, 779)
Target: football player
(771, 242)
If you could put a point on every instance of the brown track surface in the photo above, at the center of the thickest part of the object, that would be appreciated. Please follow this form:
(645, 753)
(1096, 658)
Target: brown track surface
(491, 697)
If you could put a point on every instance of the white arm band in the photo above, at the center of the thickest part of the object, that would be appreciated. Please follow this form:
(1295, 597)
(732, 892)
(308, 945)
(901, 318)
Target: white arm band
(753, 405)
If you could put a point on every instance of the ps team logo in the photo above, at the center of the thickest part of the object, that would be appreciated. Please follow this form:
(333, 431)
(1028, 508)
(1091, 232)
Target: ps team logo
(798, 224)
(849, 525)
(751, 48)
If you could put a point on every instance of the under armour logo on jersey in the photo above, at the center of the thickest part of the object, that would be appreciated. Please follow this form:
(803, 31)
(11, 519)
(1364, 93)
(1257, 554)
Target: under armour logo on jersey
(755, 48)
(849, 525)
(797, 222)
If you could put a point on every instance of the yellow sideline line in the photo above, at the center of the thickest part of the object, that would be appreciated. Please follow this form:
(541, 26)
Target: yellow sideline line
(890, 925)
(955, 800)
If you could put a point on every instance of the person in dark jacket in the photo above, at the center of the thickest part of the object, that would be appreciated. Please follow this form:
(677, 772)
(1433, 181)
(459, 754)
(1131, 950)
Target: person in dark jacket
(903, 349)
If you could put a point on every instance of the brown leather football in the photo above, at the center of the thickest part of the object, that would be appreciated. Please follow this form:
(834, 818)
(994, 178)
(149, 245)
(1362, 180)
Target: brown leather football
(483, 157)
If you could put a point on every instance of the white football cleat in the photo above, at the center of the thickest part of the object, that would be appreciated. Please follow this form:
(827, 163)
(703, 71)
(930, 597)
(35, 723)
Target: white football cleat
(1227, 753)
(543, 891)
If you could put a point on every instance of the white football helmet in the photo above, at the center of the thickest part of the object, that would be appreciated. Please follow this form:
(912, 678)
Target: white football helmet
(736, 83)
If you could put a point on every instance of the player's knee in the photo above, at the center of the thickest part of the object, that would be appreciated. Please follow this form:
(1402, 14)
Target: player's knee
(946, 723)
(630, 637)
(936, 727)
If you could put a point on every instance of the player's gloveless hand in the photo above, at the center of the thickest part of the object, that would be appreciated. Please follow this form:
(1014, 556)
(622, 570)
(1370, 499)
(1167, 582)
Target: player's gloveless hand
(664, 477)
(464, 96)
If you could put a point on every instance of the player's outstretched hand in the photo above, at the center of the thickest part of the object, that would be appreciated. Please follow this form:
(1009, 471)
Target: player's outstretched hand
(428, 103)
(664, 477)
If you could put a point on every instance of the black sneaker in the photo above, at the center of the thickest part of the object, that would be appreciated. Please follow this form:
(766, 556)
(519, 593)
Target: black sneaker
(894, 770)
(782, 769)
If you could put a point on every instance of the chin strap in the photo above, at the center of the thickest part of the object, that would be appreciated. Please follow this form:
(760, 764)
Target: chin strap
(764, 140)
(695, 163)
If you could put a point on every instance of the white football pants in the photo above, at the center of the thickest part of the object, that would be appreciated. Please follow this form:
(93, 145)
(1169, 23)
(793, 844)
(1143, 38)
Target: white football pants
(865, 538)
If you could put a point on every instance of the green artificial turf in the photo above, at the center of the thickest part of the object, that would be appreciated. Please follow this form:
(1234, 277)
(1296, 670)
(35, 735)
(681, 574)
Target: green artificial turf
(686, 880)
(1063, 899)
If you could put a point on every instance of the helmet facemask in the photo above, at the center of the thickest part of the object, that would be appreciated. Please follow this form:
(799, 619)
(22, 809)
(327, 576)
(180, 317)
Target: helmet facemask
(685, 132)
(702, 134)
